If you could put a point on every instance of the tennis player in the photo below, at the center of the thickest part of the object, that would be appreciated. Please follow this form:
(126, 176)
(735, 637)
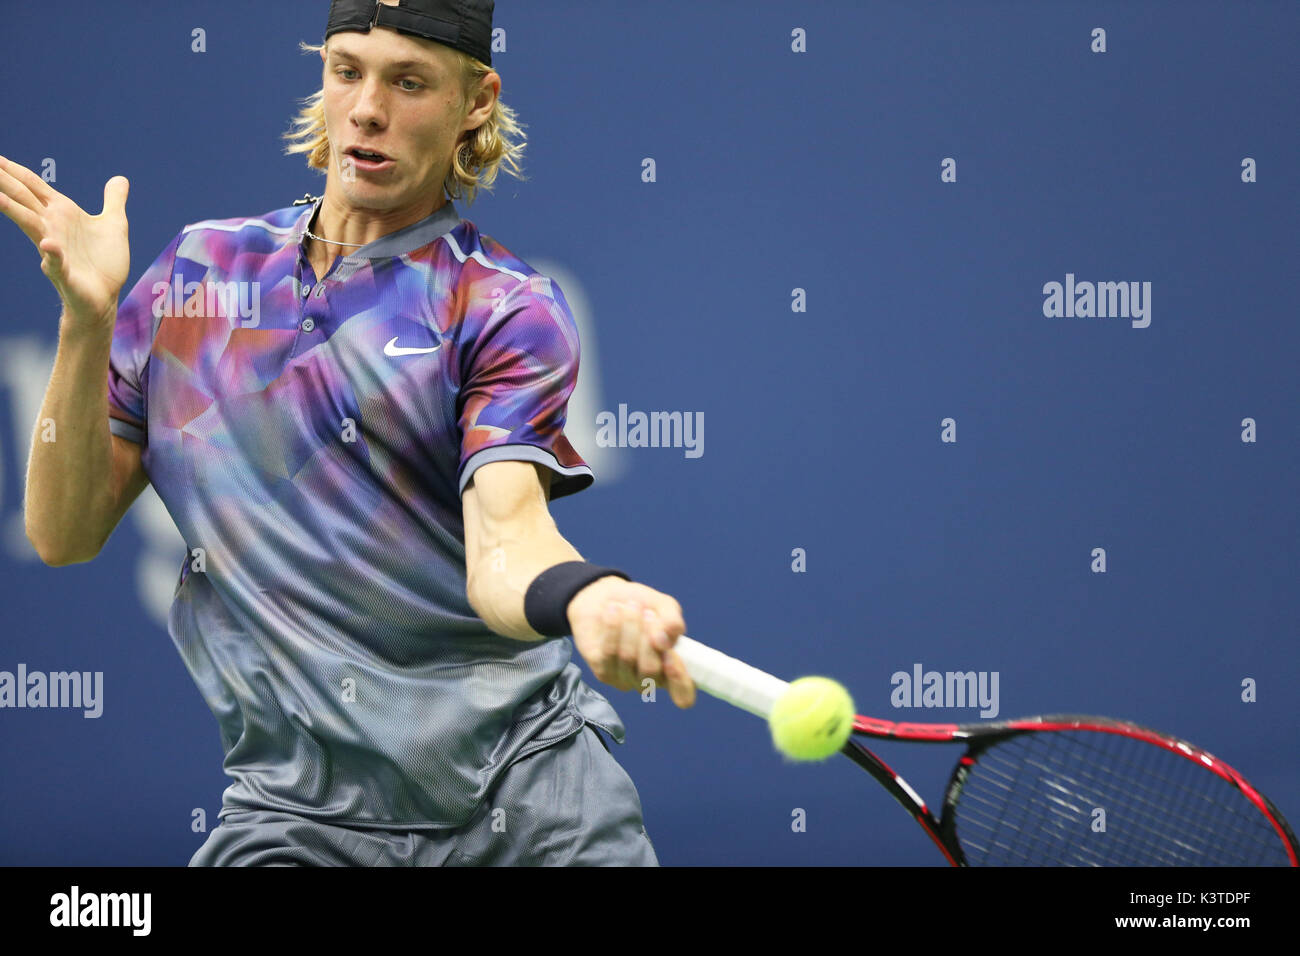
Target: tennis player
(358, 444)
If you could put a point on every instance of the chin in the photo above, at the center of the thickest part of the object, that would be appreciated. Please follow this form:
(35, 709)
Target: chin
(369, 196)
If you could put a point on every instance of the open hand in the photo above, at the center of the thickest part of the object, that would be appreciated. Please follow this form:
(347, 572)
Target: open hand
(87, 258)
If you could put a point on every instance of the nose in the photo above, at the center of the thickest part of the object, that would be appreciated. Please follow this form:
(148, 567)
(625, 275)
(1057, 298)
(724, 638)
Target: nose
(370, 109)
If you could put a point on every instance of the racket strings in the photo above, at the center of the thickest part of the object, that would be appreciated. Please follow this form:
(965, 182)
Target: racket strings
(1064, 796)
(1130, 793)
(1087, 798)
(1065, 782)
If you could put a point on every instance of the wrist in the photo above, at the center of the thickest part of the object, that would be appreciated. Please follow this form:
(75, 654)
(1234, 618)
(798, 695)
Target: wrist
(588, 593)
(80, 322)
(552, 593)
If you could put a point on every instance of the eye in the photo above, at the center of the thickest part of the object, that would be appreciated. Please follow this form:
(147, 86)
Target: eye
(346, 69)
(418, 86)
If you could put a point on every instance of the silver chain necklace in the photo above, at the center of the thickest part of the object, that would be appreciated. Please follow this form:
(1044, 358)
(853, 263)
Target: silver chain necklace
(309, 198)
(334, 242)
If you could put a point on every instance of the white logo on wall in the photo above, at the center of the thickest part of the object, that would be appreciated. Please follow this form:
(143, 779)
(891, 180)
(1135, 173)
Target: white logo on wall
(1098, 300)
(922, 688)
(25, 366)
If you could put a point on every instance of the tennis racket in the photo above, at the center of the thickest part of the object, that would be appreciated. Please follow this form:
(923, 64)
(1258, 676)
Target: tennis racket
(1027, 792)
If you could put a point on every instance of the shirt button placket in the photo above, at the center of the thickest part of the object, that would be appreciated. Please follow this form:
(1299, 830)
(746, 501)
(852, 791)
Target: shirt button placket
(308, 323)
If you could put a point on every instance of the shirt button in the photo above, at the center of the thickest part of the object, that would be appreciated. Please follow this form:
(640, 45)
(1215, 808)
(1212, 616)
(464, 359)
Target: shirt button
(306, 291)
(308, 324)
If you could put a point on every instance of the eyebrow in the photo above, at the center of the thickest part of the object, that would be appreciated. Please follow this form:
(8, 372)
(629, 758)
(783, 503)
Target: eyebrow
(399, 65)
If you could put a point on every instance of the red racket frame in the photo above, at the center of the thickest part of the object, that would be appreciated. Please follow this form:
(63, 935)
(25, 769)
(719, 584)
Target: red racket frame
(980, 736)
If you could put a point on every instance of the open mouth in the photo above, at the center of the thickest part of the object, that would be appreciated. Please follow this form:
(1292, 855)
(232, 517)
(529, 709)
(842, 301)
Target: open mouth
(368, 159)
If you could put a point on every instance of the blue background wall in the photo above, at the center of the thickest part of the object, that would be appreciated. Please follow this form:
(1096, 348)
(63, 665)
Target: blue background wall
(776, 171)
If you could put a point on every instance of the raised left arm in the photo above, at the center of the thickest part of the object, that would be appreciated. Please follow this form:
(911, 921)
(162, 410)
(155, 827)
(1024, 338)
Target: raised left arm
(623, 629)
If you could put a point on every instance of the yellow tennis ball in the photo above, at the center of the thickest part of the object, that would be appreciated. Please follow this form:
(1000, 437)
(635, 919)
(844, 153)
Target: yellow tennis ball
(812, 720)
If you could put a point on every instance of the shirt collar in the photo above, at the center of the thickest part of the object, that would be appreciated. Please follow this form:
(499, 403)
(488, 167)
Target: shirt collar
(399, 243)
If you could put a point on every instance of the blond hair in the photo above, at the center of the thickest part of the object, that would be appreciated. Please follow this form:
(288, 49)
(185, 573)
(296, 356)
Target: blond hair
(480, 153)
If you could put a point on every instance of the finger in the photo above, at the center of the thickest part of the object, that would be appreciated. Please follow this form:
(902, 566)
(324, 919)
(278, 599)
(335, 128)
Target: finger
(52, 253)
(680, 686)
(649, 663)
(629, 645)
(115, 192)
(611, 622)
(23, 218)
(18, 193)
(20, 210)
(39, 190)
(670, 616)
(51, 258)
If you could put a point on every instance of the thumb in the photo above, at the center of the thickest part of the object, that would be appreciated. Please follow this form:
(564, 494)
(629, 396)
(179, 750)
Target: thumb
(115, 191)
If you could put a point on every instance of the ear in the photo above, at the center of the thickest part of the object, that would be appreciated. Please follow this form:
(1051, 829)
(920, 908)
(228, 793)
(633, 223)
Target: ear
(484, 98)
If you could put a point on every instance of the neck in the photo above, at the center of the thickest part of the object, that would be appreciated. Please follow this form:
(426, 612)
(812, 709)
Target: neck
(352, 228)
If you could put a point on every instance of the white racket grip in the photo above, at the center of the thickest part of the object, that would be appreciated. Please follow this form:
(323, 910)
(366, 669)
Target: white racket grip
(728, 679)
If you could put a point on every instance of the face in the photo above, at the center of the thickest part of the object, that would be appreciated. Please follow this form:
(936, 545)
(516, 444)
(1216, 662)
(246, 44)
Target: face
(399, 96)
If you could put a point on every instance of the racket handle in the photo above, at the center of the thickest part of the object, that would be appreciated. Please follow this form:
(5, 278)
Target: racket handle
(729, 679)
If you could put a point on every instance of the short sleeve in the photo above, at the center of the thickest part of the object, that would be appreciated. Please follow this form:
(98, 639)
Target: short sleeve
(517, 377)
(133, 335)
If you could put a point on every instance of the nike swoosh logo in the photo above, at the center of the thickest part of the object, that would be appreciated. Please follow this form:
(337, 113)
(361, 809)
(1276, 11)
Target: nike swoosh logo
(392, 348)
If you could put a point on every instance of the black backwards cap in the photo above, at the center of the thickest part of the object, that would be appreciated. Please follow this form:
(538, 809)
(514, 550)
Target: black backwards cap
(464, 25)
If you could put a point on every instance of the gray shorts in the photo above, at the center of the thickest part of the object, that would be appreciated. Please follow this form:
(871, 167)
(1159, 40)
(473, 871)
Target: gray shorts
(570, 804)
